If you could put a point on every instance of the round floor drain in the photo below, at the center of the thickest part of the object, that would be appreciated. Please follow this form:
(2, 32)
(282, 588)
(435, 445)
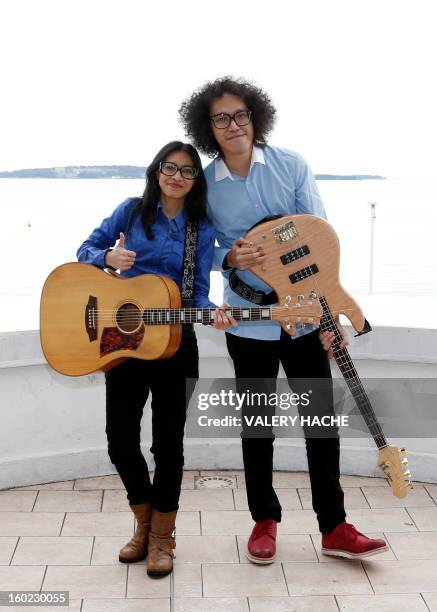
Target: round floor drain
(214, 482)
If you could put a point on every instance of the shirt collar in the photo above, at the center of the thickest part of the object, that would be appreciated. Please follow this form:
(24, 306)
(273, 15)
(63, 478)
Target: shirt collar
(179, 219)
(258, 156)
(222, 171)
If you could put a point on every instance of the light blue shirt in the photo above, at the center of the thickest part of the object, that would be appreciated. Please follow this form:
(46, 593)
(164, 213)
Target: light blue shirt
(279, 182)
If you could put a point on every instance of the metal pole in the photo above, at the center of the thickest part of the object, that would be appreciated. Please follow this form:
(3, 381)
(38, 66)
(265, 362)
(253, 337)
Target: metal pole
(372, 239)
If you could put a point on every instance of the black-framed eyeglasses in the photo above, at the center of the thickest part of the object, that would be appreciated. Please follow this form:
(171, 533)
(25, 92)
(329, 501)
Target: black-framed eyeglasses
(170, 169)
(223, 120)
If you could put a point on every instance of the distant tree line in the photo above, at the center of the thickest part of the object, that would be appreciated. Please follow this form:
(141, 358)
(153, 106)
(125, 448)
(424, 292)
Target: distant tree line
(134, 172)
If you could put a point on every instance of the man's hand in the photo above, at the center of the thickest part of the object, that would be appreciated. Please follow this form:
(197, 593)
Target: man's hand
(120, 258)
(326, 338)
(221, 319)
(243, 256)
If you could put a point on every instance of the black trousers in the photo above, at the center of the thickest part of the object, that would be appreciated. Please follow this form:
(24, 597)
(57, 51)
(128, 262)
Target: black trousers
(303, 358)
(127, 388)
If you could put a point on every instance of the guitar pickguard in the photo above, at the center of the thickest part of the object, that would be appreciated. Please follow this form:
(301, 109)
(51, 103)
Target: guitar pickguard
(114, 340)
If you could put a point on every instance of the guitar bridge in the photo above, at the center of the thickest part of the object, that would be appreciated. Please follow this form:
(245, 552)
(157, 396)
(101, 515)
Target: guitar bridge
(285, 231)
(91, 318)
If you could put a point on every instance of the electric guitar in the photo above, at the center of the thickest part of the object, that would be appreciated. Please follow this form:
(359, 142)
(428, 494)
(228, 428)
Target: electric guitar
(303, 257)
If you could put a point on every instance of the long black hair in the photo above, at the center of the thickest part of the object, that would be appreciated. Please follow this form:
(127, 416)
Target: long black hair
(195, 111)
(195, 200)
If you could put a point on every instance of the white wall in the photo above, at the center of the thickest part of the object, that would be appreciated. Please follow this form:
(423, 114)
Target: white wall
(53, 426)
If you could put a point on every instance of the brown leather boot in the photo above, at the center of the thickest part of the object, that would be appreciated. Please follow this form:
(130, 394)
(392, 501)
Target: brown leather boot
(161, 544)
(136, 548)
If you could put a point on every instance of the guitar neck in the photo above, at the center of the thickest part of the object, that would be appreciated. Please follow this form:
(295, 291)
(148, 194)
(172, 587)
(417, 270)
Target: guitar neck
(353, 381)
(168, 316)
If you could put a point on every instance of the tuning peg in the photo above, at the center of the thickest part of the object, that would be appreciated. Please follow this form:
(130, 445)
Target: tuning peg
(312, 295)
(404, 461)
(402, 451)
(300, 297)
(411, 485)
(407, 473)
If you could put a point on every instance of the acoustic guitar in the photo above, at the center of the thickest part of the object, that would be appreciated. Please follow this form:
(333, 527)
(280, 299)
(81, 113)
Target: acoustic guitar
(303, 257)
(92, 320)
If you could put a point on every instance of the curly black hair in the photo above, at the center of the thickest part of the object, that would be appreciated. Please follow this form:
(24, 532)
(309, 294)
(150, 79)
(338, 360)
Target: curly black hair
(194, 112)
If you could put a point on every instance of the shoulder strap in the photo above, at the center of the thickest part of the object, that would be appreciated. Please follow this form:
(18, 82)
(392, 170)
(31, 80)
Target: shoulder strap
(190, 253)
(242, 289)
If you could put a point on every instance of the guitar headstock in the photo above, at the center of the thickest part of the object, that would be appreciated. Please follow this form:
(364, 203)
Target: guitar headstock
(298, 310)
(392, 461)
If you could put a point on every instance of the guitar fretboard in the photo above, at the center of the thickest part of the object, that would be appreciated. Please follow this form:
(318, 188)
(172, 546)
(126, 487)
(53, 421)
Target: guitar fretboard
(347, 368)
(168, 316)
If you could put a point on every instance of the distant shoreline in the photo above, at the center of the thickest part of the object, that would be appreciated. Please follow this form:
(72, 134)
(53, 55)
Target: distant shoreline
(137, 172)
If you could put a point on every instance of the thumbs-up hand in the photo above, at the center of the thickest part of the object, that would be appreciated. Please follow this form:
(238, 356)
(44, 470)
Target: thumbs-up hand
(120, 244)
(120, 258)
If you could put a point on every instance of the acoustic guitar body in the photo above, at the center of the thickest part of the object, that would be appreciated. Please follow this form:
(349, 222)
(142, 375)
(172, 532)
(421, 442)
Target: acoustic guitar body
(90, 320)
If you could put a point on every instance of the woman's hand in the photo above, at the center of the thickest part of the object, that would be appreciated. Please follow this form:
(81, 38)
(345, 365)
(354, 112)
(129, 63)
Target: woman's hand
(221, 319)
(120, 258)
(326, 338)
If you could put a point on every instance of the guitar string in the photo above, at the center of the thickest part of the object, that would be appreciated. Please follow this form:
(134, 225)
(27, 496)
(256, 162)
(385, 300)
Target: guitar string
(350, 374)
(356, 387)
(343, 359)
(174, 315)
(367, 409)
(177, 313)
(111, 311)
(150, 315)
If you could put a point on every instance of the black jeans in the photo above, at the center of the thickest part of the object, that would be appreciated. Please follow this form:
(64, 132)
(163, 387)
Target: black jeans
(127, 388)
(302, 358)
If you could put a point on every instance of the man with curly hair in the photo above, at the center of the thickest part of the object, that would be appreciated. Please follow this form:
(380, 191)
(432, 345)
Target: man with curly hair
(248, 180)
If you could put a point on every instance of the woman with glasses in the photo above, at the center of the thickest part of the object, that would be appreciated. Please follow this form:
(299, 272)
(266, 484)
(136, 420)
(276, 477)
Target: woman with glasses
(151, 235)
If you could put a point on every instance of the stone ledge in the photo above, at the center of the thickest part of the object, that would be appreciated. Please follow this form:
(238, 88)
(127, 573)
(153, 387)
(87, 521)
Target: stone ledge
(398, 344)
(199, 455)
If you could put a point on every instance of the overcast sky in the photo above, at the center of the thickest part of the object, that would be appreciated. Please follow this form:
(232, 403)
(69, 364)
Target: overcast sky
(100, 81)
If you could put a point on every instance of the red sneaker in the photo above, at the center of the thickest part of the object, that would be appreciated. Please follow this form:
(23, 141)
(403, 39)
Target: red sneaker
(346, 541)
(261, 547)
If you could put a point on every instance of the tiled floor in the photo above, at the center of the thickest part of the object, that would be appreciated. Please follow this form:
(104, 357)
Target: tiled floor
(66, 536)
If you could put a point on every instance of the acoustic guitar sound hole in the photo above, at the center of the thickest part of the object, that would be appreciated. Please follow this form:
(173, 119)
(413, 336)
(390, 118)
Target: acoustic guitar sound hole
(128, 318)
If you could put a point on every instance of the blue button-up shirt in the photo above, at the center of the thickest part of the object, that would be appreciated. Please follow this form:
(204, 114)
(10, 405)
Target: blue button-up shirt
(279, 182)
(162, 255)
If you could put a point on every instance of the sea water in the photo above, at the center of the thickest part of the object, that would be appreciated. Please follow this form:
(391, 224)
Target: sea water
(43, 221)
